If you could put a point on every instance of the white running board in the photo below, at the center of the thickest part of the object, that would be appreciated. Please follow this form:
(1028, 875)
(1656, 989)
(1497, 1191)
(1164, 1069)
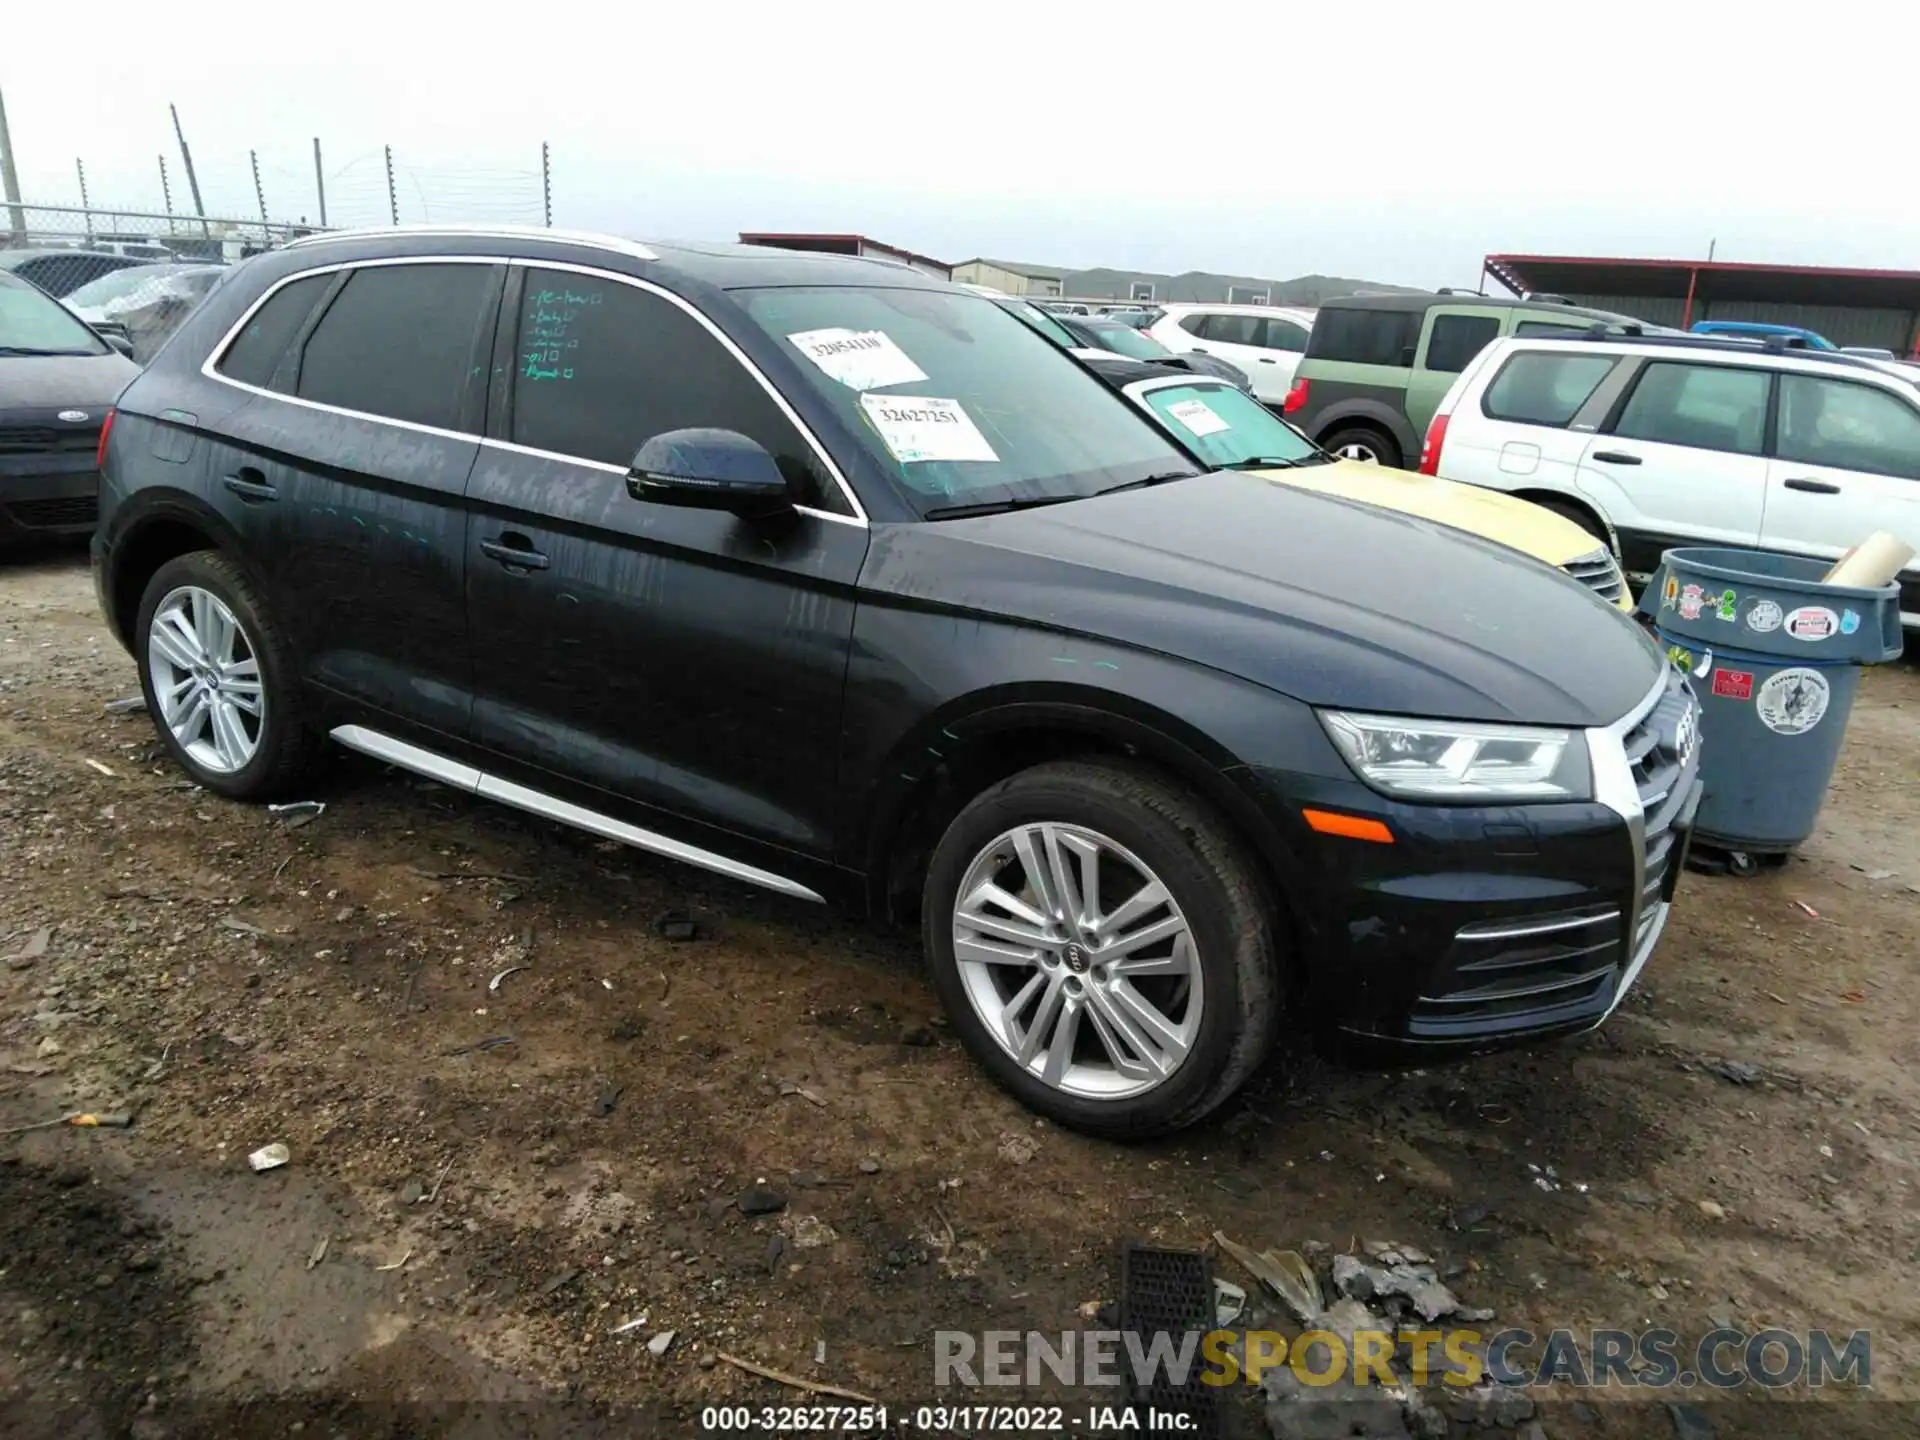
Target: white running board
(537, 802)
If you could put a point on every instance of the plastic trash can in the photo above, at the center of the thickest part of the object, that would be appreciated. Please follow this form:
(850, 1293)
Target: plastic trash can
(1774, 656)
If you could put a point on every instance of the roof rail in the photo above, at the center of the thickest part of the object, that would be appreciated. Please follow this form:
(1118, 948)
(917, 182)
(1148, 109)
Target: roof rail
(1730, 344)
(480, 232)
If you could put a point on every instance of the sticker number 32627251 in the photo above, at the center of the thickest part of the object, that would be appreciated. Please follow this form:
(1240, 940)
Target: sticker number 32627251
(917, 428)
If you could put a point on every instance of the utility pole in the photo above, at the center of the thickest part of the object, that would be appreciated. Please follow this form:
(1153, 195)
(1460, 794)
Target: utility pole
(253, 157)
(193, 181)
(320, 182)
(166, 193)
(393, 195)
(10, 181)
(86, 206)
(546, 184)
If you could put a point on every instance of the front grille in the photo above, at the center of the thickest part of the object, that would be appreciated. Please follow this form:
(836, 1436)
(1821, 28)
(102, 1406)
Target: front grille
(1662, 779)
(46, 440)
(54, 514)
(1523, 966)
(1600, 573)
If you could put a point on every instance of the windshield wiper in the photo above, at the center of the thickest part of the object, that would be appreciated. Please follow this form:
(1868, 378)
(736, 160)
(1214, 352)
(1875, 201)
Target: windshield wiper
(28, 350)
(995, 507)
(1269, 462)
(1149, 480)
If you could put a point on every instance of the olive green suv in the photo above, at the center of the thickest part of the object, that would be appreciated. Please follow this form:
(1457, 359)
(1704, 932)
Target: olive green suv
(1377, 366)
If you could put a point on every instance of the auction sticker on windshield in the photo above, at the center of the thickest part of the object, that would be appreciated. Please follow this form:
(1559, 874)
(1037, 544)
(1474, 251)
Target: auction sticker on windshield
(1197, 417)
(858, 359)
(916, 428)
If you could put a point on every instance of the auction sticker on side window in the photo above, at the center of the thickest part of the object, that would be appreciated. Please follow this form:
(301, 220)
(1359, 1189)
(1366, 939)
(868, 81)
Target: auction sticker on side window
(916, 428)
(858, 359)
(1197, 417)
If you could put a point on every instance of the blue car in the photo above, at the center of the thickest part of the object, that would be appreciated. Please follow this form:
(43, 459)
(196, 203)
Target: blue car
(1760, 330)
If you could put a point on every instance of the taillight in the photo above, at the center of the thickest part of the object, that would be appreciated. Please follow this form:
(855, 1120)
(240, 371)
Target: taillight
(1430, 451)
(100, 450)
(1296, 398)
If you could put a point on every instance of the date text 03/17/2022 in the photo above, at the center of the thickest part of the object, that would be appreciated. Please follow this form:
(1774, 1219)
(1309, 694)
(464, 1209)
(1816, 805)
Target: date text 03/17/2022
(969, 1420)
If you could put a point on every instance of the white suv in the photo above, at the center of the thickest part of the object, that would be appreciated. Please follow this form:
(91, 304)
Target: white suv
(1265, 342)
(1691, 441)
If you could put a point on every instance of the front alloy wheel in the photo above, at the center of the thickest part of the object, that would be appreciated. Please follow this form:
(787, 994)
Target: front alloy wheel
(1078, 961)
(206, 680)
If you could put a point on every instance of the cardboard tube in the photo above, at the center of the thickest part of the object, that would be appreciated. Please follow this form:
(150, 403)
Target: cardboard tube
(1872, 563)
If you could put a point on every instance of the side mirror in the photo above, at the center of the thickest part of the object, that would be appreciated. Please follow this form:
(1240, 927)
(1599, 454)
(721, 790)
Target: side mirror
(709, 470)
(118, 342)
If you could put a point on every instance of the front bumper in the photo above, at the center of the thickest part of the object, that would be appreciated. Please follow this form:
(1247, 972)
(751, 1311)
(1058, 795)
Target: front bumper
(47, 496)
(1480, 927)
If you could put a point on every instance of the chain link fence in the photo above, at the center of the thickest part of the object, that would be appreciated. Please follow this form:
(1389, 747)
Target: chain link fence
(132, 275)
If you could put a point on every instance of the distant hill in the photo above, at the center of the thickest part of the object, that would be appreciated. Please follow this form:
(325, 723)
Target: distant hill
(1312, 289)
(1209, 287)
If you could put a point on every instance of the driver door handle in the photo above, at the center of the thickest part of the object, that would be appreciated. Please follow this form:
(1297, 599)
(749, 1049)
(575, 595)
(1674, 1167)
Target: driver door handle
(514, 551)
(1813, 487)
(1615, 457)
(250, 485)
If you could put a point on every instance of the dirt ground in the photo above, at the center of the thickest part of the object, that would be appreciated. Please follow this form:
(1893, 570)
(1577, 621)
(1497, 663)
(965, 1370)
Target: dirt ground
(491, 1212)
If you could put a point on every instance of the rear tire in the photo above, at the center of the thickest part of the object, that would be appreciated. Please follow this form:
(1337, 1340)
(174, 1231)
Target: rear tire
(1366, 444)
(1143, 1013)
(220, 680)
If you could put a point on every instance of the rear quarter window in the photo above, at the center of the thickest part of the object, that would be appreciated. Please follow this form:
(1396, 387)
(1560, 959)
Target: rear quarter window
(1544, 387)
(255, 352)
(1365, 337)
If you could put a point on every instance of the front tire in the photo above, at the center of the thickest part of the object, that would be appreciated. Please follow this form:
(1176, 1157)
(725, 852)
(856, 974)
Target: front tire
(219, 679)
(1102, 948)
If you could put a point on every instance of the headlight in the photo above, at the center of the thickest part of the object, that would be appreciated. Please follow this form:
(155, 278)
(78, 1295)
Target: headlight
(1456, 760)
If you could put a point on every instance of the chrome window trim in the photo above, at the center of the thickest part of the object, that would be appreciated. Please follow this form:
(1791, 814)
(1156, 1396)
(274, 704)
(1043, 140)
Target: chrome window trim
(435, 766)
(210, 366)
(595, 238)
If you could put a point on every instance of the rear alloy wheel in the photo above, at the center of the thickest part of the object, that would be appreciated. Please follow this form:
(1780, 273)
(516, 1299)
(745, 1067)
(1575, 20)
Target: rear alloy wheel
(1364, 444)
(1101, 948)
(218, 679)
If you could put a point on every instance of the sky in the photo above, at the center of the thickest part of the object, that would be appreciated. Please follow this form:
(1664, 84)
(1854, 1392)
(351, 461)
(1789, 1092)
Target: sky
(1388, 142)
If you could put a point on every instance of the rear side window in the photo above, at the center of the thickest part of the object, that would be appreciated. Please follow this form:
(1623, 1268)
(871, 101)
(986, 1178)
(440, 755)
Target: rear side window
(401, 342)
(1285, 335)
(257, 349)
(1848, 427)
(1543, 387)
(1705, 407)
(1235, 329)
(603, 367)
(1365, 337)
(1456, 339)
(1195, 324)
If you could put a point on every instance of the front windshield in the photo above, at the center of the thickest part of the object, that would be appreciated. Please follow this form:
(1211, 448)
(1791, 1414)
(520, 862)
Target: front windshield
(118, 285)
(30, 322)
(962, 403)
(1227, 427)
(1125, 340)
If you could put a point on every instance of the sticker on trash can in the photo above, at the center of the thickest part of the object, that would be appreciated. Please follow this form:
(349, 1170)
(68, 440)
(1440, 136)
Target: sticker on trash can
(1733, 684)
(1849, 621)
(1723, 608)
(1764, 617)
(1670, 593)
(1792, 702)
(1812, 623)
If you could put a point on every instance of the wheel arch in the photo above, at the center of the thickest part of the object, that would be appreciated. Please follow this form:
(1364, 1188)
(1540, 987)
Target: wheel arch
(165, 526)
(1572, 500)
(959, 753)
(1374, 413)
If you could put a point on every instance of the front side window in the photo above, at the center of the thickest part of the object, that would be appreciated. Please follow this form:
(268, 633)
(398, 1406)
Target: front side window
(1456, 339)
(1848, 427)
(1226, 427)
(33, 324)
(1235, 329)
(255, 352)
(960, 402)
(1544, 387)
(1704, 407)
(401, 342)
(601, 368)
(1355, 336)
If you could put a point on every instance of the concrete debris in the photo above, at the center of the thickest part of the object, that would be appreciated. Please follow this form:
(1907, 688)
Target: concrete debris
(810, 1232)
(1737, 1071)
(33, 950)
(661, 1343)
(1229, 1300)
(269, 1157)
(1418, 1286)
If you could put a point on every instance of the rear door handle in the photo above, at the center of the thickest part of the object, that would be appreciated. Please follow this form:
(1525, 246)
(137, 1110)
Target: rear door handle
(1266, 360)
(514, 551)
(1615, 457)
(250, 485)
(1813, 487)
